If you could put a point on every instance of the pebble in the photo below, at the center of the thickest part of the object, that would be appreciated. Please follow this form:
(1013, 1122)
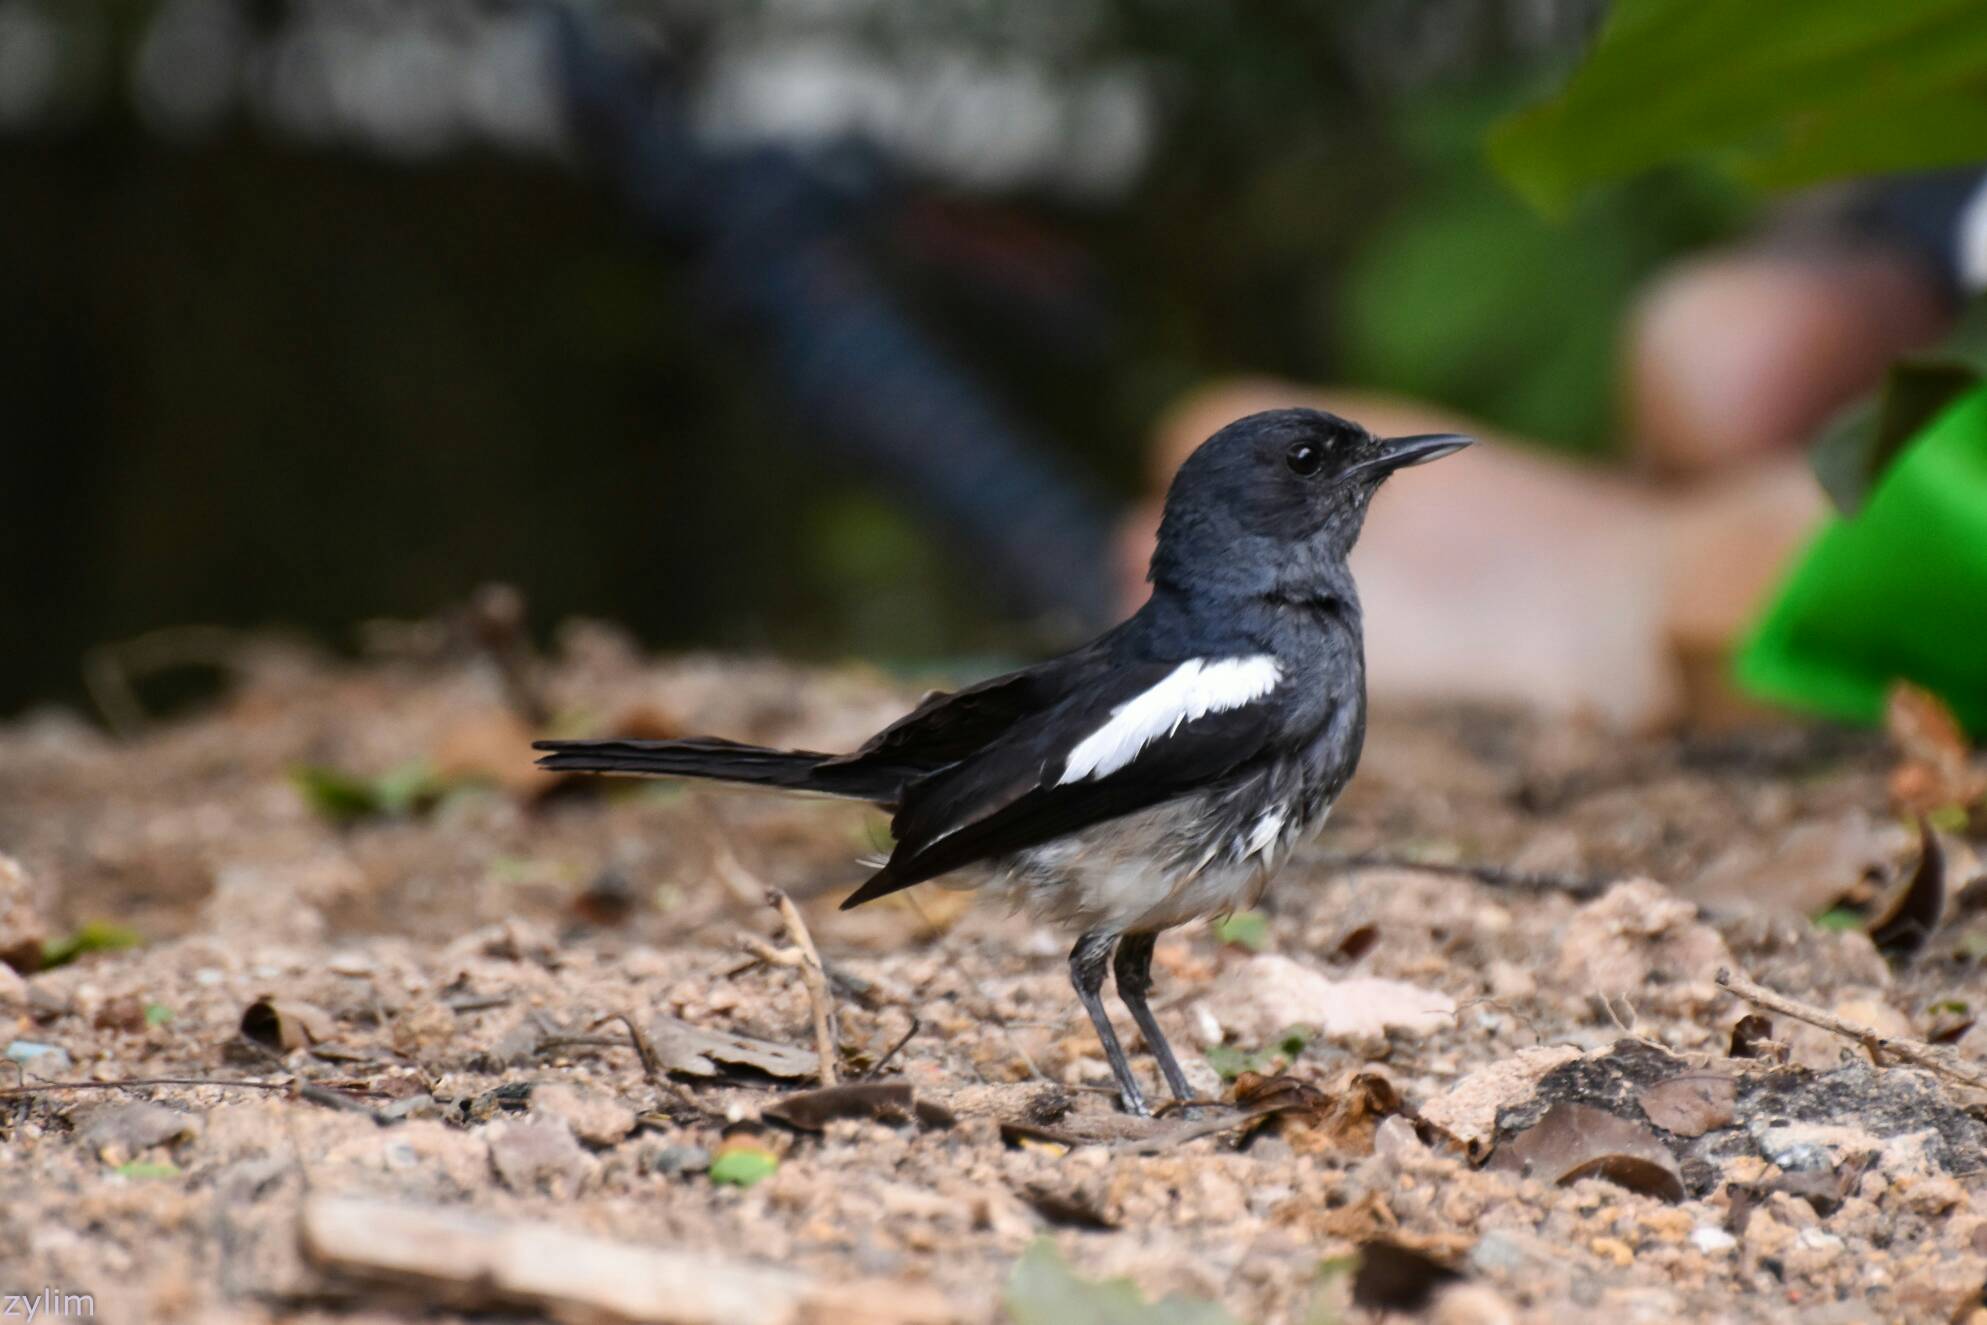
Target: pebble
(672, 1160)
(13, 989)
(1613, 1249)
(42, 1061)
(1471, 1304)
(1710, 1239)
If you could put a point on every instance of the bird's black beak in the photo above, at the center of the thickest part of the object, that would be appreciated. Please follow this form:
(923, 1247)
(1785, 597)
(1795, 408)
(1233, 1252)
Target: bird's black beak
(1400, 452)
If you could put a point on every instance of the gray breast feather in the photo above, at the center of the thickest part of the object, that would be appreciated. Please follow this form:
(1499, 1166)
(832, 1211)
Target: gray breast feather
(1163, 866)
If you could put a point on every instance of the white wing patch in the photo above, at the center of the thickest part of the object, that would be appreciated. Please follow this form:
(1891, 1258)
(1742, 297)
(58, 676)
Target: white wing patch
(1264, 836)
(1192, 690)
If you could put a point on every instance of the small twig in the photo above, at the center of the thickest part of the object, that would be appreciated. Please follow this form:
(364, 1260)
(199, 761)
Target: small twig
(653, 1068)
(554, 1043)
(1152, 1145)
(337, 1099)
(1497, 876)
(741, 882)
(1931, 1057)
(803, 956)
(893, 1051)
(476, 1003)
(132, 1083)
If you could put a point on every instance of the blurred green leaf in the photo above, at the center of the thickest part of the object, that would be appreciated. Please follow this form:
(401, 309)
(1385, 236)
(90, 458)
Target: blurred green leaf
(1461, 293)
(742, 1166)
(1043, 1290)
(91, 936)
(139, 1168)
(1231, 1061)
(157, 1014)
(1777, 94)
(1839, 920)
(400, 792)
(1244, 929)
(1859, 445)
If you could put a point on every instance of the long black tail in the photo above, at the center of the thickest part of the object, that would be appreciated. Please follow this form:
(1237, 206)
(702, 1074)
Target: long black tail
(729, 761)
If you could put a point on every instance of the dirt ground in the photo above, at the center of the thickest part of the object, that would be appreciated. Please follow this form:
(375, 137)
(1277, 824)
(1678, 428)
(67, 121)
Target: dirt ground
(1503, 1098)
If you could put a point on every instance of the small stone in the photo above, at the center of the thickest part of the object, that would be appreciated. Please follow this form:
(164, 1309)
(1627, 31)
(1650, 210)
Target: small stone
(43, 1062)
(672, 1160)
(423, 1028)
(22, 932)
(1932, 1196)
(538, 1155)
(1506, 1251)
(1470, 1304)
(1511, 982)
(1613, 1249)
(1468, 1109)
(13, 990)
(1612, 944)
(1712, 1240)
(1271, 993)
(1767, 1236)
(1395, 1141)
(595, 1116)
(119, 1132)
(1668, 1224)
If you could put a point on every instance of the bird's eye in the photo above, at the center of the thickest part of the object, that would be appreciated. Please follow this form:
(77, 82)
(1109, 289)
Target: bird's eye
(1304, 458)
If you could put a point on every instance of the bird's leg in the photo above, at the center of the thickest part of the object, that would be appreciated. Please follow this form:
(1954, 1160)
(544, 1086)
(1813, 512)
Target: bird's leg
(1087, 961)
(1133, 966)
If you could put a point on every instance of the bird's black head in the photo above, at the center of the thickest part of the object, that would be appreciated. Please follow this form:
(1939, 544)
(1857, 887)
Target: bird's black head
(1274, 492)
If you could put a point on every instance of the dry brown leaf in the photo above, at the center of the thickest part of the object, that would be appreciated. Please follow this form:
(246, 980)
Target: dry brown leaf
(1750, 1035)
(1574, 1141)
(1934, 768)
(884, 1101)
(1691, 1105)
(285, 1024)
(694, 1051)
(1904, 924)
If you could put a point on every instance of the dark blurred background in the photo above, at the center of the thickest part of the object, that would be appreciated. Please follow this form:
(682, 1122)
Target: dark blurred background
(315, 312)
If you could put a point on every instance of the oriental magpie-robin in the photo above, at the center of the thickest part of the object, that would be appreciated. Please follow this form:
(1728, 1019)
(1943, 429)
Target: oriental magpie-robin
(1161, 772)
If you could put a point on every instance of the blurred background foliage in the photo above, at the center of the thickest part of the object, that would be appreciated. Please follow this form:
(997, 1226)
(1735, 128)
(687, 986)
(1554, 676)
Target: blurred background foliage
(309, 315)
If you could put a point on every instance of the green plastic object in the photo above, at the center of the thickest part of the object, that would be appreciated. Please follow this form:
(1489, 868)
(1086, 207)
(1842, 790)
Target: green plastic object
(1896, 592)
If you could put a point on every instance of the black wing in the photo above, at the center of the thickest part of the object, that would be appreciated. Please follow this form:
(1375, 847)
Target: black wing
(1011, 796)
(949, 727)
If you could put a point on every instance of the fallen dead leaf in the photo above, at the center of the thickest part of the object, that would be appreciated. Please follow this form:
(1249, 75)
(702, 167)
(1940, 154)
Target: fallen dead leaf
(694, 1051)
(1934, 770)
(884, 1101)
(1690, 1105)
(1467, 1111)
(1574, 1141)
(1904, 924)
(286, 1024)
(538, 1155)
